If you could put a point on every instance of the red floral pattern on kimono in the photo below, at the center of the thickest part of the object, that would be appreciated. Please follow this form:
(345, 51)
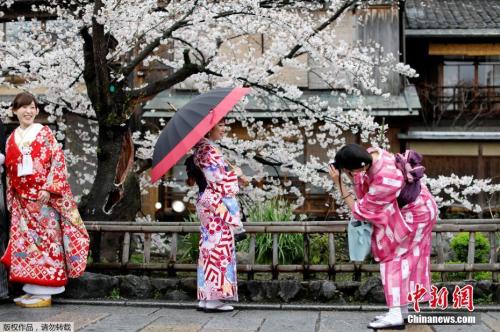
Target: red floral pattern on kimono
(48, 243)
(219, 214)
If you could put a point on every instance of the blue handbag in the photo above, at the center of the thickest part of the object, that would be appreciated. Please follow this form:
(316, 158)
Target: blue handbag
(359, 238)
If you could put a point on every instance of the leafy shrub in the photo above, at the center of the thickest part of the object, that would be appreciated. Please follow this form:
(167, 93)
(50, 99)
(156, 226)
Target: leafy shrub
(290, 246)
(188, 246)
(460, 246)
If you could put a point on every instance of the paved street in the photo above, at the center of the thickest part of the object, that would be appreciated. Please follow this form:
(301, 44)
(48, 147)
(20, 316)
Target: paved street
(155, 318)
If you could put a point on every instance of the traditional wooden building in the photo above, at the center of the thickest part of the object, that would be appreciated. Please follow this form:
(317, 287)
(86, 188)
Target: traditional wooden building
(455, 47)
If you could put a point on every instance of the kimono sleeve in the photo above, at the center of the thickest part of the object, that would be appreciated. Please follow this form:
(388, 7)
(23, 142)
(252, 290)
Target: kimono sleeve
(9, 191)
(57, 180)
(9, 194)
(215, 172)
(379, 200)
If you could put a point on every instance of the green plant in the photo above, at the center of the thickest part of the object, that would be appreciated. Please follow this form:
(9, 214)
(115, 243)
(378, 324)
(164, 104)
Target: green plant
(271, 210)
(90, 260)
(460, 276)
(460, 246)
(319, 248)
(484, 300)
(115, 294)
(188, 246)
(290, 246)
(484, 275)
(136, 258)
(157, 294)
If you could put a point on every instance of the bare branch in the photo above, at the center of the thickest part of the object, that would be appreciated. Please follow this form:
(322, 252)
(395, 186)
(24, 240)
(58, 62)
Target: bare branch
(179, 76)
(183, 22)
(155, 43)
(321, 27)
(201, 57)
(274, 90)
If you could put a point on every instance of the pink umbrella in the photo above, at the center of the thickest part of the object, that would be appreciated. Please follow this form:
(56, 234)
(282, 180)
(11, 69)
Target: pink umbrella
(189, 124)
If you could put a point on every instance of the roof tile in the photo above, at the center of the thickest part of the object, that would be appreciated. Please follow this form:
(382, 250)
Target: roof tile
(453, 14)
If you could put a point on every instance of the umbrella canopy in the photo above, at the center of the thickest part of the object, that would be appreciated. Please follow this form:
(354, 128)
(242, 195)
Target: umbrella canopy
(189, 124)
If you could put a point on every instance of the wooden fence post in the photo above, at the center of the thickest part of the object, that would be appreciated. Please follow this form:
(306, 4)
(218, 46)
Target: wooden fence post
(126, 249)
(307, 249)
(147, 247)
(251, 254)
(331, 257)
(275, 256)
(173, 256)
(470, 255)
(493, 254)
(440, 253)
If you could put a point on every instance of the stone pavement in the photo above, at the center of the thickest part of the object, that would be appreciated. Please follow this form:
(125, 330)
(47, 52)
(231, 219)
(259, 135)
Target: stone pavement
(156, 316)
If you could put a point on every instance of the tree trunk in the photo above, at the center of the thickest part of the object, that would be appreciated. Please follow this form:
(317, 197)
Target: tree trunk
(92, 207)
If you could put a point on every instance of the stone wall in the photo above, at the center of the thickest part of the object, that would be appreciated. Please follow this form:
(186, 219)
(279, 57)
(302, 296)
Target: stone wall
(92, 285)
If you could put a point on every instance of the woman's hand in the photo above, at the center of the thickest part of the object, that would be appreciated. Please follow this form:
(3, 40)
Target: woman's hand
(334, 174)
(243, 180)
(43, 196)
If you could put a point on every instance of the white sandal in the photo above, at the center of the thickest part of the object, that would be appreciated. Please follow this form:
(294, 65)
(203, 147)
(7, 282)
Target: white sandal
(19, 299)
(202, 304)
(37, 301)
(222, 307)
(380, 317)
(384, 323)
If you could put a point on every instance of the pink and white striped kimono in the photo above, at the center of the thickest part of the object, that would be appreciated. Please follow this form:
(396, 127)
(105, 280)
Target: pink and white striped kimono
(401, 239)
(219, 214)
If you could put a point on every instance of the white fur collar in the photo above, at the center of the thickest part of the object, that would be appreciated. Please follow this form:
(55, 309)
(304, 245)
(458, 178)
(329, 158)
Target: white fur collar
(27, 135)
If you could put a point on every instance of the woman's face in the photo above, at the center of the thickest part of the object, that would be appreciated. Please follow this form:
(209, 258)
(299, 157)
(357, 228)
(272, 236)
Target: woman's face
(355, 172)
(217, 132)
(26, 114)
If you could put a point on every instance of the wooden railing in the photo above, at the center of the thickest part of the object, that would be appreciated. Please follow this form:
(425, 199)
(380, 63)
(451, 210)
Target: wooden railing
(331, 228)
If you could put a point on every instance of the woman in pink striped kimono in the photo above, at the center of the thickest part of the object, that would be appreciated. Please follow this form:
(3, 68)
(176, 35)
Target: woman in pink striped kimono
(219, 214)
(401, 238)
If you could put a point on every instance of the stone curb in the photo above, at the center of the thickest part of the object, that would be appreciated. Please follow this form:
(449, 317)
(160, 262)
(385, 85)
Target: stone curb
(252, 306)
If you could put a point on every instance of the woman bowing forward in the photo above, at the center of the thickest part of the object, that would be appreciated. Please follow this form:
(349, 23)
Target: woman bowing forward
(402, 223)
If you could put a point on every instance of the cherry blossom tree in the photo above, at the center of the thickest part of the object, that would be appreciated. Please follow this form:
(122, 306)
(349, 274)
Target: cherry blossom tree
(86, 58)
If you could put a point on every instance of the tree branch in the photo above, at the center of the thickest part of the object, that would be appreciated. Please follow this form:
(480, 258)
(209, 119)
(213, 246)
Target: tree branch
(180, 75)
(155, 43)
(99, 47)
(167, 34)
(321, 27)
(202, 56)
(272, 90)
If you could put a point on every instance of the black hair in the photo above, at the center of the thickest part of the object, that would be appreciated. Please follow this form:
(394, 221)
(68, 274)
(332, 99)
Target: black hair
(351, 157)
(195, 175)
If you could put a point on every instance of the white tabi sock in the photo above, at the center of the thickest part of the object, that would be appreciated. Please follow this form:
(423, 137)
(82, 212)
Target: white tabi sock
(392, 318)
(395, 315)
